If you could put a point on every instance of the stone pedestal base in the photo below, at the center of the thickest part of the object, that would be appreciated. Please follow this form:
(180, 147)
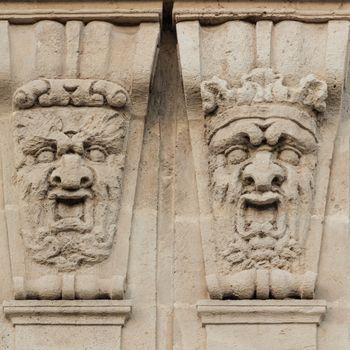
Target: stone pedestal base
(261, 324)
(68, 325)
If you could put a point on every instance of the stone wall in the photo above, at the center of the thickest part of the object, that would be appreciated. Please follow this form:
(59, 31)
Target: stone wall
(174, 175)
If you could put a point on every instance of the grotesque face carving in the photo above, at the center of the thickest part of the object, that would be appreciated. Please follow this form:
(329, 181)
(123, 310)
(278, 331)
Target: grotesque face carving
(261, 173)
(69, 173)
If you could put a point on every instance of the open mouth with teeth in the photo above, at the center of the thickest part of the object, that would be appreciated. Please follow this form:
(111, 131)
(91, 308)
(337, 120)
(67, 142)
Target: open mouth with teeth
(261, 219)
(71, 211)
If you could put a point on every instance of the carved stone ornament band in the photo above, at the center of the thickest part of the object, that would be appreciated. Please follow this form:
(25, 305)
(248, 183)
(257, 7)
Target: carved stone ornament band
(75, 92)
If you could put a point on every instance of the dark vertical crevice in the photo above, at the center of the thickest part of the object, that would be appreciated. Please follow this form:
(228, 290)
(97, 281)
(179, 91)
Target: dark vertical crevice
(167, 15)
(165, 89)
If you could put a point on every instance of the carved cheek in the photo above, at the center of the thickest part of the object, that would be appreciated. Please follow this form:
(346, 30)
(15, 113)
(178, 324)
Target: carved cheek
(306, 180)
(107, 180)
(34, 179)
(233, 172)
(291, 184)
(220, 176)
(233, 180)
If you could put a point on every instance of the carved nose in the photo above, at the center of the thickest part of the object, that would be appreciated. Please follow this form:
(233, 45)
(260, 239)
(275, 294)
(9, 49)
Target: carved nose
(262, 173)
(71, 174)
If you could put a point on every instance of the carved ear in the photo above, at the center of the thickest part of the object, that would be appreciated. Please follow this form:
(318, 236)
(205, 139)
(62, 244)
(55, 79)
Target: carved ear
(313, 92)
(27, 95)
(213, 92)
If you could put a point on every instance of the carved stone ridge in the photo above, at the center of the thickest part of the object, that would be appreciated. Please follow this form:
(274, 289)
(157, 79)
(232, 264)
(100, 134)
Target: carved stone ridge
(120, 12)
(87, 312)
(221, 15)
(217, 312)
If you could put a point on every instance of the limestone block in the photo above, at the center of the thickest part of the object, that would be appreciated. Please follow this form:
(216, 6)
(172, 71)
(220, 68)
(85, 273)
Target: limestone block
(263, 113)
(68, 325)
(261, 325)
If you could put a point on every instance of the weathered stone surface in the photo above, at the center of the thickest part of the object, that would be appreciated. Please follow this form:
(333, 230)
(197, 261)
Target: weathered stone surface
(271, 61)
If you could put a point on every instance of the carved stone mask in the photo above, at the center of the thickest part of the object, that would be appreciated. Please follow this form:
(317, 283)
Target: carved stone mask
(263, 174)
(69, 176)
(262, 139)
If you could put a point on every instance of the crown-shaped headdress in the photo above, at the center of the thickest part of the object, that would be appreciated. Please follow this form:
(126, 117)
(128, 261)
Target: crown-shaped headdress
(75, 92)
(262, 94)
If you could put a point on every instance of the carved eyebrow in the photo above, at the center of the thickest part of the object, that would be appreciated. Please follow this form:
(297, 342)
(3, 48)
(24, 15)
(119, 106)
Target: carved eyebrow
(112, 144)
(108, 132)
(33, 145)
(243, 135)
(220, 145)
(302, 140)
(286, 139)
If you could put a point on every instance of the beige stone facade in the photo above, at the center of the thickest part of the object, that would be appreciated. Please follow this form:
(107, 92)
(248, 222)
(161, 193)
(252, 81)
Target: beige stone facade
(174, 175)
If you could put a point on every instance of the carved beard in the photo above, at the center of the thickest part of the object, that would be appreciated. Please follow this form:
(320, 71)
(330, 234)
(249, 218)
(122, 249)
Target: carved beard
(67, 235)
(260, 235)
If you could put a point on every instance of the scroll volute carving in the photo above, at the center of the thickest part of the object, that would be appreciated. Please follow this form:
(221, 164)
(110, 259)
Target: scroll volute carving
(262, 142)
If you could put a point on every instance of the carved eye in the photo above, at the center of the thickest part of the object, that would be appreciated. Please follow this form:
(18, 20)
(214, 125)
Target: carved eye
(236, 155)
(45, 155)
(290, 156)
(96, 154)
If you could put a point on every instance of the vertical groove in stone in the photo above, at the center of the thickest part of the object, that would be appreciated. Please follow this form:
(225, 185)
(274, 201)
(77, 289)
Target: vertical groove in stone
(95, 54)
(23, 54)
(50, 49)
(120, 67)
(166, 84)
(230, 56)
(263, 43)
(288, 47)
(73, 37)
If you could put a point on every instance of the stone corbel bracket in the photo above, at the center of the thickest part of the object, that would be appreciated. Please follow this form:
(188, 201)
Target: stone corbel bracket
(224, 56)
(81, 68)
